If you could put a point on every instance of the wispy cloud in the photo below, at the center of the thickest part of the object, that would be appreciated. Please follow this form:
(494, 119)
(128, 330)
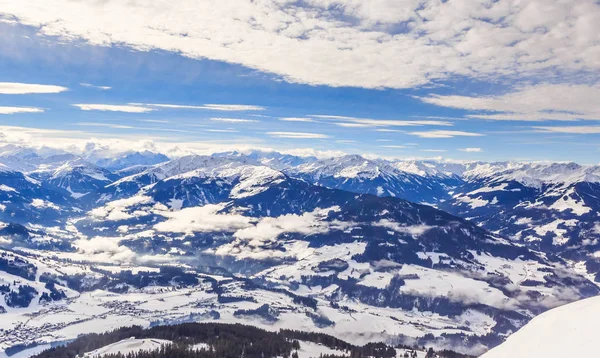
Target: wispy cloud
(471, 150)
(89, 85)
(234, 120)
(387, 130)
(107, 125)
(212, 107)
(444, 134)
(222, 130)
(434, 150)
(164, 121)
(13, 110)
(345, 141)
(352, 125)
(570, 129)
(393, 146)
(113, 108)
(297, 135)
(368, 122)
(530, 103)
(123, 126)
(28, 88)
(296, 119)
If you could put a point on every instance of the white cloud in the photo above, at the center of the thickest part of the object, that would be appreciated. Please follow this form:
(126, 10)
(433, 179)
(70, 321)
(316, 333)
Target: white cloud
(414, 230)
(106, 248)
(358, 45)
(471, 150)
(124, 126)
(104, 88)
(295, 119)
(249, 233)
(444, 134)
(351, 125)
(234, 120)
(13, 110)
(212, 107)
(203, 219)
(107, 125)
(393, 146)
(81, 142)
(434, 150)
(368, 122)
(570, 129)
(27, 88)
(387, 130)
(297, 135)
(222, 130)
(113, 108)
(530, 103)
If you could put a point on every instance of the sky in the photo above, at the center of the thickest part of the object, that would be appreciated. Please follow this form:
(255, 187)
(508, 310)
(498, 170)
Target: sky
(483, 80)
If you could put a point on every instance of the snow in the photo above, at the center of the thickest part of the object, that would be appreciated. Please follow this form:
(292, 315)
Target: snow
(127, 346)
(566, 331)
(560, 237)
(315, 350)
(576, 206)
(474, 203)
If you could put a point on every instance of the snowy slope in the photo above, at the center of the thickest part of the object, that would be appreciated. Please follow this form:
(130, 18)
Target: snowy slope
(566, 331)
(127, 346)
(378, 177)
(77, 177)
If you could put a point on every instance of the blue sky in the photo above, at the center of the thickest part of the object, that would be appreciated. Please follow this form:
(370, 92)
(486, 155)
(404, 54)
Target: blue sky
(490, 106)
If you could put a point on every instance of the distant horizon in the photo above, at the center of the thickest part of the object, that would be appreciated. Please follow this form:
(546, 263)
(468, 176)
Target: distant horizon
(110, 152)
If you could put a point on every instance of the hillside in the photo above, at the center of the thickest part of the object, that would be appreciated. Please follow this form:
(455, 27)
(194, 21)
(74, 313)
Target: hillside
(566, 331)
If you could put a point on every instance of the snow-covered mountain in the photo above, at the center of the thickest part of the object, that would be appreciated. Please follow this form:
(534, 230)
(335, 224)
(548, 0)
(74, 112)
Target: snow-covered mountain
(550, 207)
(25, 200)
(325, 243)
(127, 159)
(567, 331)
(358, 174)
(77, 177)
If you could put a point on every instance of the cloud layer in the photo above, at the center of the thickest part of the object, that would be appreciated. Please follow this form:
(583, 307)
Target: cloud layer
(372, 44)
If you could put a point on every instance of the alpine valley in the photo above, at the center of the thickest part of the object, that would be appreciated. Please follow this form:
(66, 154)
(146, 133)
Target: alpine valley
(454, 255)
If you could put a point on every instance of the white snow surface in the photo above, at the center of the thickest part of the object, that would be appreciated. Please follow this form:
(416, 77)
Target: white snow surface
(566, 331)
(127, 346)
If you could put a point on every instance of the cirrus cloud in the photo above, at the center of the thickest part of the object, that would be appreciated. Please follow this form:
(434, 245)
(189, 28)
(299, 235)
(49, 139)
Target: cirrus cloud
(297, 135)
(28, 88)
(234, 120)
(113, 108)
(13, 110)
(444, 134)
(212, 107)
(530, 103)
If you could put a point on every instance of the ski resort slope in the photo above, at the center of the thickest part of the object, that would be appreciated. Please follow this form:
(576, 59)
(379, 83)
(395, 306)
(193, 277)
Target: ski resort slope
(566, 331)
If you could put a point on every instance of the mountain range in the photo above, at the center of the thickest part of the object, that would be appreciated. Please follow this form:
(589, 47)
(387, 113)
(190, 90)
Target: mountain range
(456, 255)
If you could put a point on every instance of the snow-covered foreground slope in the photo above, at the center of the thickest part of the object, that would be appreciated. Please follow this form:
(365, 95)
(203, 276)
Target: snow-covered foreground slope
(567, 331)
(127, 346)
(132, 345)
